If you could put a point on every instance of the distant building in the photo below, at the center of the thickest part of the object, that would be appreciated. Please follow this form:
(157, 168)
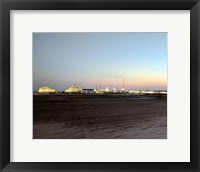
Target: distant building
(135, 92)
(100, 91)
(74, 89)
(46, 90)
(147, 92)
(107, 90)
(88, 91)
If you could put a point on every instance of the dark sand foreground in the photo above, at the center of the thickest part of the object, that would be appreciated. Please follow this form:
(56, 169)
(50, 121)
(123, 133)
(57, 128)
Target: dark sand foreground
(99, 117)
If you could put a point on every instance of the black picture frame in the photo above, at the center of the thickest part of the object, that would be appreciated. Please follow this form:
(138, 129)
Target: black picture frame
(7, 5)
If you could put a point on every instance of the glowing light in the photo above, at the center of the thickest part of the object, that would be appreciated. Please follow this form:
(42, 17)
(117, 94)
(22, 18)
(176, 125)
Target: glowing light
(46, 90)
(74, 89)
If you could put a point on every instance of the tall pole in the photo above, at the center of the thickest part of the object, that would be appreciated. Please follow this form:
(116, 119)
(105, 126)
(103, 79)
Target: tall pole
(123, 83)
(115, 84)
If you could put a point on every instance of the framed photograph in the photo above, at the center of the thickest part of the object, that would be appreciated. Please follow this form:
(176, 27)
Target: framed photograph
(99, 85)
(105, 84)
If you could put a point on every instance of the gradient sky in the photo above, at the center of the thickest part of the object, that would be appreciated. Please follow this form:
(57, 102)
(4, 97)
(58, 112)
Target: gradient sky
(100, 60)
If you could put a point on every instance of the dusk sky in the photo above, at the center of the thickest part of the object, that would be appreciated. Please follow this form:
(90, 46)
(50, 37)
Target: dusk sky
(100, 60)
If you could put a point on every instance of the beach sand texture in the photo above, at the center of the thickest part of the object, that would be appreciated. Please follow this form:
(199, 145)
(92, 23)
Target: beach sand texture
(99, 117)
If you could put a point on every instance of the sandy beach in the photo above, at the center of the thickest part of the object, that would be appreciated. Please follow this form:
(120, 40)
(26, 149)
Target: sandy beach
(99, 117)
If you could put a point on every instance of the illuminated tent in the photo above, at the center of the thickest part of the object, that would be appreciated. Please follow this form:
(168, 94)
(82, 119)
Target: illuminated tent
(46, 90)
(74, 89)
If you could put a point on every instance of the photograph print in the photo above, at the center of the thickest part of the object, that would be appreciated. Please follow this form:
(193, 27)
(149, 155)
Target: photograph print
(99, 85)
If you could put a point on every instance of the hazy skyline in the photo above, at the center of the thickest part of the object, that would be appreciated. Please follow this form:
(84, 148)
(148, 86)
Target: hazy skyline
(100, 60)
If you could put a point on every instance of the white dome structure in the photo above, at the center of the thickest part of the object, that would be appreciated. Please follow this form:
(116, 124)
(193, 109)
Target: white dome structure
(46, 90)
(74, 89)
